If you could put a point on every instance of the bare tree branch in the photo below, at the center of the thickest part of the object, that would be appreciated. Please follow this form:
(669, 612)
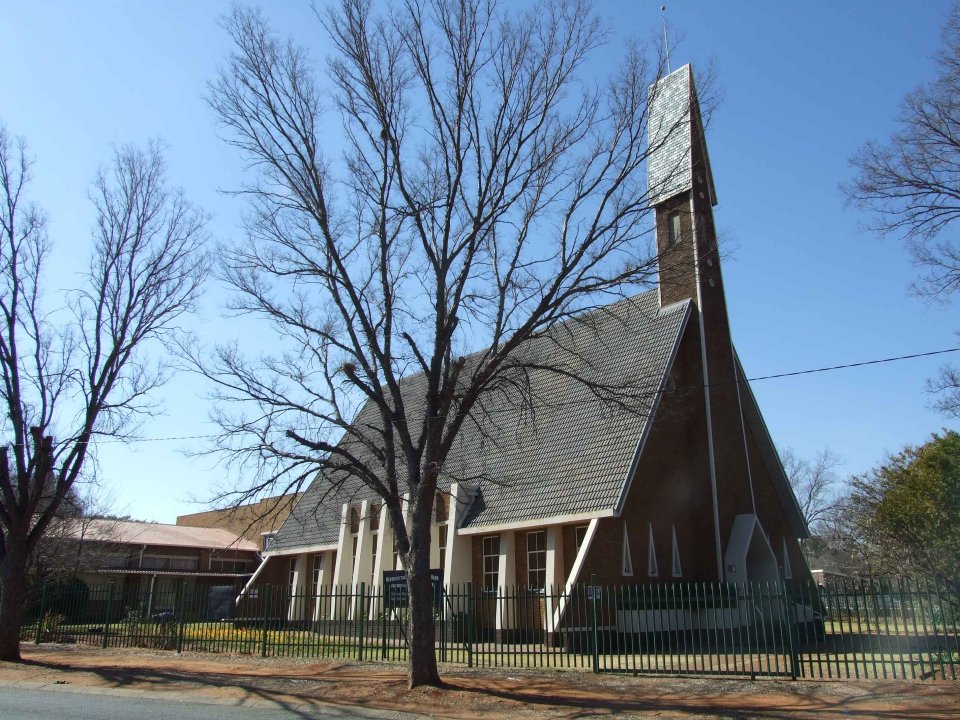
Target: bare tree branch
(485, 194)
(82, 372)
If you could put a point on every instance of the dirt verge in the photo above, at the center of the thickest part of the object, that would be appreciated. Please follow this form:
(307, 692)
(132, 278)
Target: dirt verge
(476, 694)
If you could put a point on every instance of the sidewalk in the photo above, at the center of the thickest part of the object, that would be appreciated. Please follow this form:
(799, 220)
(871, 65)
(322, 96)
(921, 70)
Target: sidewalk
(380, 690)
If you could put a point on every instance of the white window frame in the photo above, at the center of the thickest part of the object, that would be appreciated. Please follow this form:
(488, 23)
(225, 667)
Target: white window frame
(491, 553)
(787, 570)
(292, 574)
(653, 569)
(676, 568)
(626, 559)
(315, 574)
(673, 227)
(540, 553)
(442, 540)
(579, 535)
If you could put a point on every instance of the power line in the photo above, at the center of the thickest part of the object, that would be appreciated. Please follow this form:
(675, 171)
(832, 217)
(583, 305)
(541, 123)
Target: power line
(775, 376)
(853, 365)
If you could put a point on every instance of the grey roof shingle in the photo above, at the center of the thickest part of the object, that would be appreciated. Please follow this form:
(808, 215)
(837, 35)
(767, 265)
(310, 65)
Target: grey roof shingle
(566, 453)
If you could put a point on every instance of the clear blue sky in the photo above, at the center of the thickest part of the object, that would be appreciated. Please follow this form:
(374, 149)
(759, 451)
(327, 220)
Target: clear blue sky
(804, 85)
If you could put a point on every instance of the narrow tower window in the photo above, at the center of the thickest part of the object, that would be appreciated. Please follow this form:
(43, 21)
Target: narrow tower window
(673, 224)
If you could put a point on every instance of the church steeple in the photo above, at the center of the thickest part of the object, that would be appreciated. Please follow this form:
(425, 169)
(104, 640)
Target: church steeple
(681, 189)
(683, 196)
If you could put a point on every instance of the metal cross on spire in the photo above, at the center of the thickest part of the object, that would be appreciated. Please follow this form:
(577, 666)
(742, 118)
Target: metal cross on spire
(666, 43)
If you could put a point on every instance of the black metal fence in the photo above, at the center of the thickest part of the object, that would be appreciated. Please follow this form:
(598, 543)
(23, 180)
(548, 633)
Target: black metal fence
(882, 628)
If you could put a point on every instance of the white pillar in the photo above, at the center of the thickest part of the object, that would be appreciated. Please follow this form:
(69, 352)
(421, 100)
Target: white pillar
(506, 580)
(384, 559)
(554, 574)
(458, 570)
(299, 588)
(406, 523)
(363, 562)
(435, 535)
(324, 582)
(343, 569)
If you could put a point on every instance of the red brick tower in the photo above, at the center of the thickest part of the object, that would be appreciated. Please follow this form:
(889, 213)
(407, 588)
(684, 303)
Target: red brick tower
(682, 194)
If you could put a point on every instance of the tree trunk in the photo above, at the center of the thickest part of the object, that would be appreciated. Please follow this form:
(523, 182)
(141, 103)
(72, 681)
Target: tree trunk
(13, 593)
(423, 658)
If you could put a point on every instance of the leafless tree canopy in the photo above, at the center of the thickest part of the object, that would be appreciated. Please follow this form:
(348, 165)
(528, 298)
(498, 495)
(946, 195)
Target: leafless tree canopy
(911, 187)
(814, 482)
(451, 184)
(73, 374)
(910, 184)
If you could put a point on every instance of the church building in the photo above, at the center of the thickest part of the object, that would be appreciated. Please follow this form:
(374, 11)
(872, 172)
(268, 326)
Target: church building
(689, 489)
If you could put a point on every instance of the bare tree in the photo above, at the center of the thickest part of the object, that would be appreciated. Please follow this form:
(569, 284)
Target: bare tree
(66, 550)
(485, 193)
(911, 187)
(79, 374)
(814, 482)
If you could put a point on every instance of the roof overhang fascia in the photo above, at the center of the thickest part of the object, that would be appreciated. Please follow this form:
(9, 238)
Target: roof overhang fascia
(298, 550)
(535, 522)
(635, 462)
(771, 457)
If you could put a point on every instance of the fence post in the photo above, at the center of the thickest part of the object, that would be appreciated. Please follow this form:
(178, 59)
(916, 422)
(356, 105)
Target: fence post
(180, 613)
(469, 624)
(106, 624)
(359, 613)
(443, 624)
(593, 623)
(384, 619)
(43, 604)
(790, 616)
(266, 605)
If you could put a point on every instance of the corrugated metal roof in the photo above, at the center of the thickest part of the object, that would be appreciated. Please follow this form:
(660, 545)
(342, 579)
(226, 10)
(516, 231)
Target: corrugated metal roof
(567, 453)
(144, 533)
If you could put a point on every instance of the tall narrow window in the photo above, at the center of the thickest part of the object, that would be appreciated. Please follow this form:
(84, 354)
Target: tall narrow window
(440, 507)
(673, 222)
(491, 562)
(536, 560)
(354, 519)
(652, 569)
(442, 541)
(292, 575)
(580, 534)
(317, 567)
(787, 571)
(676, 568)
(627, 560)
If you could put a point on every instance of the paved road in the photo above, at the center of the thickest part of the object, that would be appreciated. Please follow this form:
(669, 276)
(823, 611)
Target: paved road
(20, 703)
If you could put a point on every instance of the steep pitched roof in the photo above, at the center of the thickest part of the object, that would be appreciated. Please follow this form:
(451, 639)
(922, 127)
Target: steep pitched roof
(568, 453)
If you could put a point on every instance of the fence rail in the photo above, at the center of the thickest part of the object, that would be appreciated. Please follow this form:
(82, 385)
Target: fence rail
(882, 628)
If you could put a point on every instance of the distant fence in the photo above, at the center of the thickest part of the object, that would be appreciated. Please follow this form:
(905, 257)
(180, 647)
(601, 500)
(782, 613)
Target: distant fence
(881, 628)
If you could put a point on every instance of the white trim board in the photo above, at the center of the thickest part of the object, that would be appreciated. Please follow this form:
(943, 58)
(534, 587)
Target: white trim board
(536, 522)
(299, 550)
